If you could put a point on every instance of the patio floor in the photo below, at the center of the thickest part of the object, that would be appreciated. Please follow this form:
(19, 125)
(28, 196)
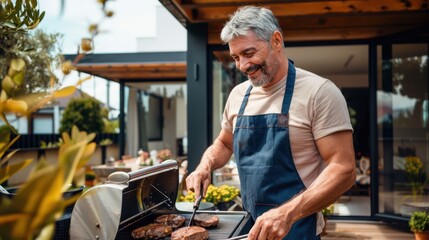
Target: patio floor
(339, 230)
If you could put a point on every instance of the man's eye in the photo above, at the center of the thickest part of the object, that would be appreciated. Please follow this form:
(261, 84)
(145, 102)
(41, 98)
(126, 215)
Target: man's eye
(248, 55)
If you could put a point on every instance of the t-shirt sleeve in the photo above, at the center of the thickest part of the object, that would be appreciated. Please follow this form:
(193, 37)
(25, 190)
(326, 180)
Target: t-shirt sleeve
(227, 120)
(330, 111)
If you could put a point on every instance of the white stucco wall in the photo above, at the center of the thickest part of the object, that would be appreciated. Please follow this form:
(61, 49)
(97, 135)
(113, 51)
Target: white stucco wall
(170, 35)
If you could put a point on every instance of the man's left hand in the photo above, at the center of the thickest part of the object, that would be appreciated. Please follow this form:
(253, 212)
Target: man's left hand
(272, 225)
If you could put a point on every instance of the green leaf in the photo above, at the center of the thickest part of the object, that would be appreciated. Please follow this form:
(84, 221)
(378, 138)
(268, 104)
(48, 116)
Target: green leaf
(17, 65)
(7, 218)
(18, 5)
(10, 169)
(19, 77)
(64, 92)
(41, 196)
(13, 106)
(4, 145)
(34, 3)
(8, 85)
(69, 158)
(42, 15)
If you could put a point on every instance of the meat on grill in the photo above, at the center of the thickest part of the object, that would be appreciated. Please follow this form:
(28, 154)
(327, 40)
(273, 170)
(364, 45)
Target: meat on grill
(173, 220)
(152, 231)
(190, 233)
(206, 220)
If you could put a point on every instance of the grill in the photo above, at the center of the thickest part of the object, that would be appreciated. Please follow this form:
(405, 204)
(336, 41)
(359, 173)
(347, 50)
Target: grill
(131, 200)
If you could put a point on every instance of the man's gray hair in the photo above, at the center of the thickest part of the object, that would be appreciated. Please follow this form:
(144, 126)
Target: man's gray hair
(251, 18)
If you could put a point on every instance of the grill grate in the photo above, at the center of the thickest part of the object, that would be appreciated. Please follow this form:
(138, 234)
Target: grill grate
(226, 228)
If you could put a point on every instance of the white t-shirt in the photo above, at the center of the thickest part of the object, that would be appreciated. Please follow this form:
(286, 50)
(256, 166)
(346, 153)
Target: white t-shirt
(318, 109)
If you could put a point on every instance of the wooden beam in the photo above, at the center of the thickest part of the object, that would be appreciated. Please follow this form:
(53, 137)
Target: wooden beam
(339, 27)
(135, 71)
(329, 34)
(195, 4)
(317, 8)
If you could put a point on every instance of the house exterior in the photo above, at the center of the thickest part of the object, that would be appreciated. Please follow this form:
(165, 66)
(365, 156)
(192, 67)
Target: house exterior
(47, 119)
(375, 52)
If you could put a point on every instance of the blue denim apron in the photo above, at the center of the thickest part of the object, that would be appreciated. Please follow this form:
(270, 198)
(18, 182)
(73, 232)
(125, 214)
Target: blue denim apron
(268, 176)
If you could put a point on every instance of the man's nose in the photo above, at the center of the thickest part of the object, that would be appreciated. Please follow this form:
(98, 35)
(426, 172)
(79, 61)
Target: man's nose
(243, 64)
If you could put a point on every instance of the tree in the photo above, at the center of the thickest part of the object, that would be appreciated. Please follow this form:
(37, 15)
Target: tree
(85, 113)
(40, 51)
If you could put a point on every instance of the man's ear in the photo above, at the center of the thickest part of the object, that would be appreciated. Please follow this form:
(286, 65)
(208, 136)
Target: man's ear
(277, 40)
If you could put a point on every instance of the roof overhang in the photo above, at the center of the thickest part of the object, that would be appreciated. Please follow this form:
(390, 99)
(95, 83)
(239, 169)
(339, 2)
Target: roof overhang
(312, 20)
(134, 67)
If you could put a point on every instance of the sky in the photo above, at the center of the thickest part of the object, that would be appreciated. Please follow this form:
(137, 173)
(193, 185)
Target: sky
(132, 19)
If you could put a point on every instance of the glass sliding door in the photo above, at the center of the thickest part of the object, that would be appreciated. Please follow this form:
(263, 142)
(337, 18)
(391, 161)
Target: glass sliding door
(403, 129)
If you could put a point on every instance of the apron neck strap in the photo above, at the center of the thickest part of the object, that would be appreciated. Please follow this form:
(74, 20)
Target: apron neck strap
(290, 83)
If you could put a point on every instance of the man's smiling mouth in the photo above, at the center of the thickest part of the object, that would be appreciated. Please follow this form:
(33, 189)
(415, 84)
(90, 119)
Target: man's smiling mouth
(253, 69)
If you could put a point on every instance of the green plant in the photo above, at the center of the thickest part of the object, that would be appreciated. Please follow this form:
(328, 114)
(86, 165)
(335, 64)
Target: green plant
(106, 142)
(89, 176)
(85, 113)
(215, 195)
(44, 145)
(416, 175)
(39, 50)
(329, 210)
(39, 201)
(419, 222)
(16, 15)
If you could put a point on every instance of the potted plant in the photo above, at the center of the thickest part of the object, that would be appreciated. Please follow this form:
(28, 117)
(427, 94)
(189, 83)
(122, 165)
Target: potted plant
(49, 191)
(223, 197)
(89, 179)
(419, 224)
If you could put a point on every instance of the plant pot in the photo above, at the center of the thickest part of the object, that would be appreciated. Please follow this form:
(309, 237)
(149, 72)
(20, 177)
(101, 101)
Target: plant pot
(407, 209)
(89, 183)
(421, 235)
(68, 194)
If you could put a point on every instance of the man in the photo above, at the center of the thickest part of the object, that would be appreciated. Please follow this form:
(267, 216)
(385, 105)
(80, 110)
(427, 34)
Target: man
(289, 130)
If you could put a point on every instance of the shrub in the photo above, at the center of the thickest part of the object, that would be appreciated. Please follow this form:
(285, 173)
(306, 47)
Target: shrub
(419, 222)
(85, 113)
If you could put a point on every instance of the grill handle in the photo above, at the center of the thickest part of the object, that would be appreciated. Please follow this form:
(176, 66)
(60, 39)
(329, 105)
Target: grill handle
(164, 166)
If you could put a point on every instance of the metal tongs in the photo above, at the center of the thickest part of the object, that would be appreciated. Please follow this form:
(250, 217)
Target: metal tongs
(238, 237)
(196, 205)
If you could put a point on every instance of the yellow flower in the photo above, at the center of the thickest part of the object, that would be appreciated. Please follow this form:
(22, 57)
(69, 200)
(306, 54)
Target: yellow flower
(215, 195)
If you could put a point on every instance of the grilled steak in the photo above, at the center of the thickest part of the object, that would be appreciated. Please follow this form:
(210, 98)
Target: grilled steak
(173, 220)
(190, 233)
(206, 220)
(152, 231)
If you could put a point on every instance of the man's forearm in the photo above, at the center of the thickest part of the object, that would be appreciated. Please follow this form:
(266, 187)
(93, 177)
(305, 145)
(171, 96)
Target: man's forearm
(331, 184)
(216, 156)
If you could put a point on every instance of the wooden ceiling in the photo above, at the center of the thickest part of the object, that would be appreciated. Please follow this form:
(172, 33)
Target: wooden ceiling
(312, 20)
(141, 72)
(133, 67)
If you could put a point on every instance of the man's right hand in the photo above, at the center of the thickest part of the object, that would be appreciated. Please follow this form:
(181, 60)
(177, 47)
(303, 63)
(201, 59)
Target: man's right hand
(196, 179)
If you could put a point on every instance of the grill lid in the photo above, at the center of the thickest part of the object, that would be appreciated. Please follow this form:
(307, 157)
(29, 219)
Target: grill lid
(105, 209)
